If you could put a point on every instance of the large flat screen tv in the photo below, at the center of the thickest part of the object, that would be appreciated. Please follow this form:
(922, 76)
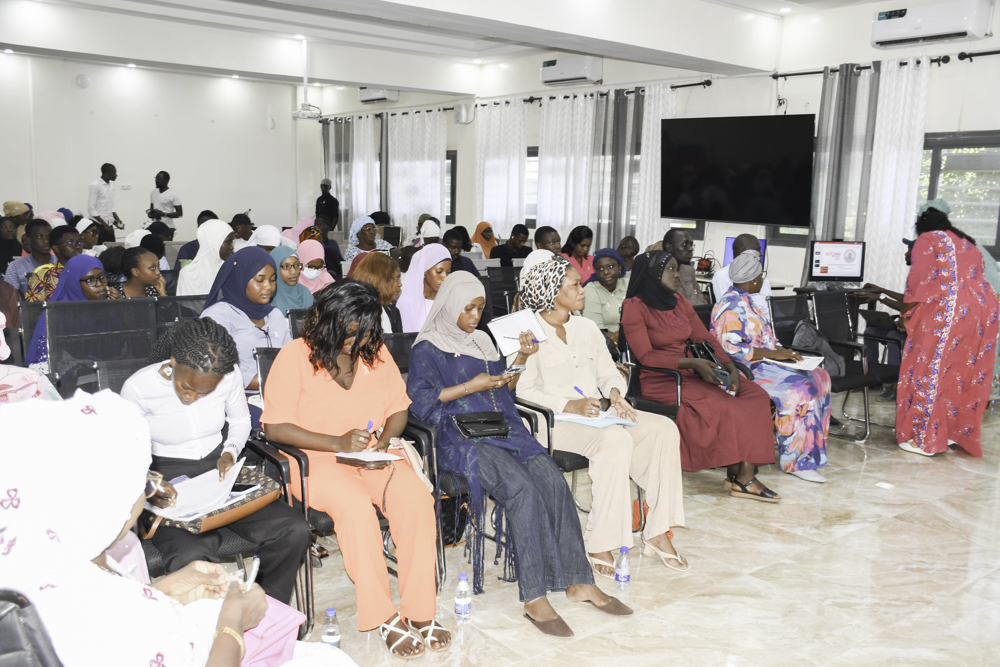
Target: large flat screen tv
(748, 169)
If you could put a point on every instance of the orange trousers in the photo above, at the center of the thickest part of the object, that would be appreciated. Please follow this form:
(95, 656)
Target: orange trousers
(347, 494)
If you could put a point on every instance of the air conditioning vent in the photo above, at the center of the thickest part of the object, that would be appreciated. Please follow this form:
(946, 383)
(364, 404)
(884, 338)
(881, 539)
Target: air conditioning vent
(927, 24)
(572, 70)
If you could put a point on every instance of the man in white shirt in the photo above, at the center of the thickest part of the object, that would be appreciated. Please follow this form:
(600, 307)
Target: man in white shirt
(101, 201)
(721, 281)
(164, 203)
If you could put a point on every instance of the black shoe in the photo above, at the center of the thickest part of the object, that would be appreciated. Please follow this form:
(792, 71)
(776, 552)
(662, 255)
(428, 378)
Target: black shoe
(889, 395)
(835, 422)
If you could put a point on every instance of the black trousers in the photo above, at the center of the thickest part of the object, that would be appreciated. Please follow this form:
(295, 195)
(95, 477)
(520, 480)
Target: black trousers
(281, 533)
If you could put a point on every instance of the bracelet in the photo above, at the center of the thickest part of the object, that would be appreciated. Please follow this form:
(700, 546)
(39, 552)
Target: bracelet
(466, 389)
(235, 635)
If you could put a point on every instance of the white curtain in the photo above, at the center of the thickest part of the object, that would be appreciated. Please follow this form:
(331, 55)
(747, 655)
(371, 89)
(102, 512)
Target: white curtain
(337, 134)
(501, 149)
(417, 151)
(895, 171)
(659, 102)
(365, 185)
(566, 156)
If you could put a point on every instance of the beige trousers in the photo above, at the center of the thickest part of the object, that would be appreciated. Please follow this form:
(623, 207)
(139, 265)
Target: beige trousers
(648, 453)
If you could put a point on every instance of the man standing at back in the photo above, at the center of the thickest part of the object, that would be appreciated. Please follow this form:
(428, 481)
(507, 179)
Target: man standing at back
(327, 205)
(101, 202)
(679, 244)
(721, 281)
(164, 203)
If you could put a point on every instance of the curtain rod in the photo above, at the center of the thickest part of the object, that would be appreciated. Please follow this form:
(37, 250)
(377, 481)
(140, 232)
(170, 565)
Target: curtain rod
(942, 60)
(968, 56)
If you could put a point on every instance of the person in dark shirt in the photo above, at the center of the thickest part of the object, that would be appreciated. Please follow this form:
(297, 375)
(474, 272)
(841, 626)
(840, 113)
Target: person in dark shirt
(514, 248)
(453, 241)
(190, 249)
(327, 205)
(331, 248)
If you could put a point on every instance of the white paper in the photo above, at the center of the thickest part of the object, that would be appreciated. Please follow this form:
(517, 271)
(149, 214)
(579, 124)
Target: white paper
(807, 363)
(507, 330)
(604, 420)
(368, 456)
(200, 495)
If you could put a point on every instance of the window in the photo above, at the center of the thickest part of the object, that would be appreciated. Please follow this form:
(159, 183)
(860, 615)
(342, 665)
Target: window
(963, 168)
(795, 237)
(450, 186)
(531, 188)
(695, 227)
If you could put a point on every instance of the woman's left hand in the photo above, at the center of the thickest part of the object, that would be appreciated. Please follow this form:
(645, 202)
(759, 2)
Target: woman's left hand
(528, 344)
(622, 407)
(225, 462)
(161, 286)
(165, 496)
(734, 377)
(197, 580)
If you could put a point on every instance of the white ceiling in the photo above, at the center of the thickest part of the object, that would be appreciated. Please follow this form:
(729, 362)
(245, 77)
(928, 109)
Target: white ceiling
(796, 7)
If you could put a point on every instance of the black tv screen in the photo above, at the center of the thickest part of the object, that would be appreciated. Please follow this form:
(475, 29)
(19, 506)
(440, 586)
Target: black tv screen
(747, 169)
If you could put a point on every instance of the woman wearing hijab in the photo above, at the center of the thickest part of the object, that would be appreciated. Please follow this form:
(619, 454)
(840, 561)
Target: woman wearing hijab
(577, 251)
(572, 372)
(302, 225)
(215, 245)
(362, 238)
(455, 370)
(485, 238)
(82, 279)
(291, 295)
(267, 237)
(314, 275)
(605, 292)
(91, 237)
(534, 257)
(428, 269)
(802, 398)
(719, 426)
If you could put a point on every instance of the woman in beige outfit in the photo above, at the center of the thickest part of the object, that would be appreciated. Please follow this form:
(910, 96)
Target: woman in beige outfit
(573, 357)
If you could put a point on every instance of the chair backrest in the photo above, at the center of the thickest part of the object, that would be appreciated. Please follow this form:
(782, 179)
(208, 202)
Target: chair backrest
(833, 315)
(399, 346)
(704, 311)
(171, 276)
(518, 262)
(30, 312)
(482, 264)
(502, 287)
(488, 309)
(634, 381)
(296, 318)
(786, 313)
(173, 309)
(113, 374)
(265, 357)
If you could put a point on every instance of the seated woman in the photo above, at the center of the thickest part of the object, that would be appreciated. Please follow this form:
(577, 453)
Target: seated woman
(382, 272)
(363, 237)
(82, 279)
(91, 237)
(718, 427)
(291, 294)
(314, 274)
(605, 292)
(189, 392)
(428, 269)
(802, 398)
(484, 239)
(215, 245)
(577, 251)
(340, 361)
(455, 370)
(189, 618)
(572, 372)
(141, 271)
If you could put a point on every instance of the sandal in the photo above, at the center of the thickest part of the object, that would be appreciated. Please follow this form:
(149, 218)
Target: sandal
(766, 495)
(908, 446)
(595, 562)
(425, 638)
(682, 564)
(386, 628)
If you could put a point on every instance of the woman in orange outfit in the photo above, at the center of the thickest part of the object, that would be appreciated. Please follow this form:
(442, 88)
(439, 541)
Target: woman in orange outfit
(339, 362)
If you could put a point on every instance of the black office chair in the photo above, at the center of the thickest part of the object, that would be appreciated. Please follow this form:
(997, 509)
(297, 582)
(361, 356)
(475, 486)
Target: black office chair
(173, 309)
(171, 276)
(296, 317)
(399, 346)
(30, 313)
(23, 637)
(502, 287)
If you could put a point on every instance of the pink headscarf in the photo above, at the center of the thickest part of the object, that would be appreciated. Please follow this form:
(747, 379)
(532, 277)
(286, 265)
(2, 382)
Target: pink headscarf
(54, 218)
(294, 232)
(412, 305)
(307, 252)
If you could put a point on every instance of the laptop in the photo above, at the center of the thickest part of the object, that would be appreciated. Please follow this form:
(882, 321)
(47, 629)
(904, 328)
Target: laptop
(880, 319)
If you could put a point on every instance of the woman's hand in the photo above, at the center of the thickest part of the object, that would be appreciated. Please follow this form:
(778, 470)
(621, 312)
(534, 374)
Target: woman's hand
(734, 377)
(242, 611)
(528, 346)
(705, 369)
(114, 294)
(622, 407)
(197, 580)
(161, 286)
(587, 407)
(165, 496)
(225, 462)
(485, 382)
(784, 354)
(352, 441)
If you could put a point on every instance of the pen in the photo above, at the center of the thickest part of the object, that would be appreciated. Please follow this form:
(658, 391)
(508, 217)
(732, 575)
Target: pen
(580, 391)
(253, 573)
(370, 424)
(517, 338)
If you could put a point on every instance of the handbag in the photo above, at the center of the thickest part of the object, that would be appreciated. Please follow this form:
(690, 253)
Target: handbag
(24, 641)
(244, 507)
(702, 350)
(272, 641)
(483, 424)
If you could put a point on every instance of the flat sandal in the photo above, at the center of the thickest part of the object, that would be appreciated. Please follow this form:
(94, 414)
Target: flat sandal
(766, 495)
(425, 638)
(384, 630)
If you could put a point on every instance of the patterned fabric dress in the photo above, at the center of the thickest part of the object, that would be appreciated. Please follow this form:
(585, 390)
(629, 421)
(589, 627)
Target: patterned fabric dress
(801, 397)
(42, 282)
(948, 359)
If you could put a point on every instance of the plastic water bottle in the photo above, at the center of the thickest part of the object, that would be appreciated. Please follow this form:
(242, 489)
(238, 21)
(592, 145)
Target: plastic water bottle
(331, 629)
(463, 598)
(623, 570)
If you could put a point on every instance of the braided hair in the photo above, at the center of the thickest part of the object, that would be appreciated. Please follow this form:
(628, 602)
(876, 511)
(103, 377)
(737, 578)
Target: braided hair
(121, 262)
(201, 344)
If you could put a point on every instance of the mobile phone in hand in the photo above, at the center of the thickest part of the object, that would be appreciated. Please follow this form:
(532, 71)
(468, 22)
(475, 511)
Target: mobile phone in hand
(515, 369)
(722, 375)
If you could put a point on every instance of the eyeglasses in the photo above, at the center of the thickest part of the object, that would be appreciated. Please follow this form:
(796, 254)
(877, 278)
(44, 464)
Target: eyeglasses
(72, 243)
(368, 228)
(94, 281)
(291, 267)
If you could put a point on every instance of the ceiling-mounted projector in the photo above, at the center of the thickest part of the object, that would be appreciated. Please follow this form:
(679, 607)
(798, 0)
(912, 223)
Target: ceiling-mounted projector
(307, 111)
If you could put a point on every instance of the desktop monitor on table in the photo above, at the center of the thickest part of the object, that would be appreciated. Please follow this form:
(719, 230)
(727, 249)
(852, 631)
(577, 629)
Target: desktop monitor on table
(842, 261)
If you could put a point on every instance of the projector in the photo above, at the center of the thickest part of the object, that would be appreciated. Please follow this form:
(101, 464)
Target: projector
(307, 112)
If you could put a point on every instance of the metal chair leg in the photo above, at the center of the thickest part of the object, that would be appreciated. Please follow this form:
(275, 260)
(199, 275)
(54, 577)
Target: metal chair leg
(867, 421)
(642, 508)
(572, 489)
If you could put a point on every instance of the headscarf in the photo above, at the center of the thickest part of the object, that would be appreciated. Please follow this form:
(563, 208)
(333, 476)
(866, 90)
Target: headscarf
(54, 218)
(441, 327)
(939, 204)
(67, 214)
(646, 281)
(303, 224)
(68, 289)
(308, 251)
(745, 267)
(487, 246)
(133, 239)
(613, 254)
(265, 235)
(288, 297)
(230, 283)
(542, 284)
(12, 209)
(430, 230)
(198, 276)
(533, 258)
(411, 302)
(352, 239)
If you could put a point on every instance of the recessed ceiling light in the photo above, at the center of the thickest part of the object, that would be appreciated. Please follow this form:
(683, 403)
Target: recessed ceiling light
(477, 61)
(132, 65)
(785, 10)
(8, 50)
(504, 65)
(236, 76)
(300, 36)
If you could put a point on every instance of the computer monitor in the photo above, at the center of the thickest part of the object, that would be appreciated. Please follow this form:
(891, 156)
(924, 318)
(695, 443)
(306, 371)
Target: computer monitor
(729, 250)
(842, 261)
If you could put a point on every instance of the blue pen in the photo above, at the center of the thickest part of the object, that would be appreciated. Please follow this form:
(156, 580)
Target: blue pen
(370, 424)
(580, 391)
(517, 338)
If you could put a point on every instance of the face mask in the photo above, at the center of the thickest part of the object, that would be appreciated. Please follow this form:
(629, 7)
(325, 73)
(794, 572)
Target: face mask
(311, 274)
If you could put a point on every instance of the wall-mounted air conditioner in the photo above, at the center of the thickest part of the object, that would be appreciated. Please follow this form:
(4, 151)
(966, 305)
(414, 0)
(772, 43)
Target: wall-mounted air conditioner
(941, 22)
(573, 70)
(373, 95)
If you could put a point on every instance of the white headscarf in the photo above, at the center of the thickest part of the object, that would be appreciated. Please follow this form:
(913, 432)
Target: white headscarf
(198, 276)
(441, 326)
(133, 239)
(535, 257)
(430, 230)
(266, 235)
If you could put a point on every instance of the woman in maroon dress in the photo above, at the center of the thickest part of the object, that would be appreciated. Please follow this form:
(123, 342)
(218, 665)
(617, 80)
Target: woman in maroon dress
(718, 427)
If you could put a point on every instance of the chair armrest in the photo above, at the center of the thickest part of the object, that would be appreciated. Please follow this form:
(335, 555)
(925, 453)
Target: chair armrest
(744, 369)
(888, 341)
(665, 371)
(532, 418)
(425, 437)
(273, 456)
(647, 405)
(549, 415)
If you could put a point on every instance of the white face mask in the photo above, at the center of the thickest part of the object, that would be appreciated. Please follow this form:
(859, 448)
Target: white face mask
(311, 274)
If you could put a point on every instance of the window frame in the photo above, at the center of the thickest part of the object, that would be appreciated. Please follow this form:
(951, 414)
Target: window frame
(452, 156)
(531, 223)
(782, 239)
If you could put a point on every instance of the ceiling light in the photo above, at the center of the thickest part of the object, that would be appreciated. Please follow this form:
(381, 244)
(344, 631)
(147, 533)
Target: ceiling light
(132, 65)
(504, 65)
(236, 76)
(785, 10)
(317, 85)
(8, 50)
(340, 88)
(477, 61)
(300, 36)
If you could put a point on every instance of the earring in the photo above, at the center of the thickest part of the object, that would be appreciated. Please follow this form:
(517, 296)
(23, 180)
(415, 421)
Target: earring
(169, 370)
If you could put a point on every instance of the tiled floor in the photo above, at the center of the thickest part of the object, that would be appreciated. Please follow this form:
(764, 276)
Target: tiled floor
(895, 561)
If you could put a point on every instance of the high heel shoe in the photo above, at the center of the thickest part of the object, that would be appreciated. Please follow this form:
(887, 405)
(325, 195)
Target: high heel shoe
(649, 550)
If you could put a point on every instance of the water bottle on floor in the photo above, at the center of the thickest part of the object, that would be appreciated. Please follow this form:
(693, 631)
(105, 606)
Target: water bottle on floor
(331, 629)
(623, 570)
(463, 598)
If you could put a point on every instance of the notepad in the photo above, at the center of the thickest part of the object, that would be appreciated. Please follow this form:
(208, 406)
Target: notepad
(507, 330)
(604, 420)
(368, 456)
(807, 363)
(200, 495)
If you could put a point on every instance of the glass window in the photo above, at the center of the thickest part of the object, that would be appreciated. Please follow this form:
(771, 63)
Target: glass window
(531, 187)
(450, 183)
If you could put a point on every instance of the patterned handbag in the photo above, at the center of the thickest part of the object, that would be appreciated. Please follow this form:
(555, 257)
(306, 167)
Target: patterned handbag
(267, 493)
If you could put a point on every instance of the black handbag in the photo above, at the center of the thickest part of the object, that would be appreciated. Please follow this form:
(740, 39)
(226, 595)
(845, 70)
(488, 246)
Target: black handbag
(23, 639)
(483, 424)
(703, 350)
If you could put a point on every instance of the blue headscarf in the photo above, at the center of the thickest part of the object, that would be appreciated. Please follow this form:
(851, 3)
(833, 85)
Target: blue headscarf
(231, 282)
(68, 289)
(613, 254)
(289, 297)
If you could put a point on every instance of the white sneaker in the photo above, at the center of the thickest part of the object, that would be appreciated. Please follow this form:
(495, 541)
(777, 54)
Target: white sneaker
(908, 446)
(809, 476)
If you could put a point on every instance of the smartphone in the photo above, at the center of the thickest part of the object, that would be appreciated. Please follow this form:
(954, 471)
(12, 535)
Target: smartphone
(514, 370)
(245, 488)
(722, 375)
